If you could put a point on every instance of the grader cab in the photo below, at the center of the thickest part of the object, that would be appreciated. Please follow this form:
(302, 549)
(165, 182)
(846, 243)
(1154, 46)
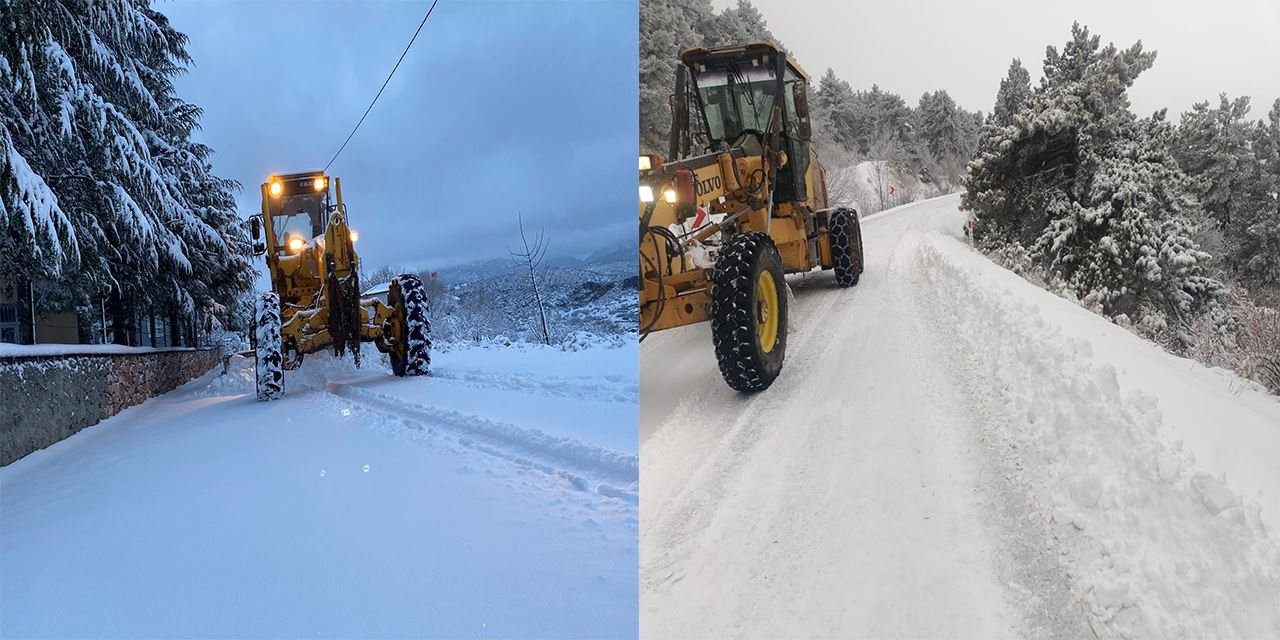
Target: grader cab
(741, 203)
(314, 302)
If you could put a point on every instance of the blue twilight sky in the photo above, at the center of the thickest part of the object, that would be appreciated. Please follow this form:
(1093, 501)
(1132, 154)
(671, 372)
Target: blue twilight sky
(499, 107)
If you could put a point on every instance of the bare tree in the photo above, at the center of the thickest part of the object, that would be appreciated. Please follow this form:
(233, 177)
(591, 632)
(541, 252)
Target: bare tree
(529, 259)
(382, 275)
(842, 187)
(889, 154)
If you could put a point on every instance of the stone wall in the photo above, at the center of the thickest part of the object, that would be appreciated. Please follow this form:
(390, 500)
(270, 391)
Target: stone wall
(44, 399)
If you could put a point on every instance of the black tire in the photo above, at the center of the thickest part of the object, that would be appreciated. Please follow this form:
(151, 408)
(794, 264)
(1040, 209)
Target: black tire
(846, 247)
(736, 311)
(409, 299)
(267, 355)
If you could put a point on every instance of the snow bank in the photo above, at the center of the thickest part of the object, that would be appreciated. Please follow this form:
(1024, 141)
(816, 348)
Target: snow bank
(28, 350)
(571, 341)
(1155, 546)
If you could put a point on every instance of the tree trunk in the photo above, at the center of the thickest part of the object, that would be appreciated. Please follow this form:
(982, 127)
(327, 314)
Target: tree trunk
(116, 310)
(537, 299)
(175, 337)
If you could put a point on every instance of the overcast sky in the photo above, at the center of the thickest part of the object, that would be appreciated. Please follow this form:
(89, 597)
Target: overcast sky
(499, 107)
(965, 46)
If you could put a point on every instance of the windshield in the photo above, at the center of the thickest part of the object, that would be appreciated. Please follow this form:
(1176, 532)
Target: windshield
(736, 99)
(298, 215)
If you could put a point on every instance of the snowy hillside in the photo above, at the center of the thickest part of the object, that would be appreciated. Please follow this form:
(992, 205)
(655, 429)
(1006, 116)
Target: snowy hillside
(872, 186)
(595, 295)
(472, 503)
(951, 451)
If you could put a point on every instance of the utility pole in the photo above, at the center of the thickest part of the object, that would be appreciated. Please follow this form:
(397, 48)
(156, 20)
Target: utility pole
(103, 302)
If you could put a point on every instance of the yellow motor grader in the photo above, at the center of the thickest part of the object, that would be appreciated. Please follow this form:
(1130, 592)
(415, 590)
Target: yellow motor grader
(315, 301)
(741, 203)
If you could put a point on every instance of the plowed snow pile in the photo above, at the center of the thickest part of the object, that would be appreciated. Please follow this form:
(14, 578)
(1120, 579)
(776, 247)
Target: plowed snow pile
(1155, 546)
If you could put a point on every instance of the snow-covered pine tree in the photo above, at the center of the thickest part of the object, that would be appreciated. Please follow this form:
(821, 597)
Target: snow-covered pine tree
(831, 104)
(1125, 244)
(1093, 190)
(1256, 253)
(1213, 146)
(735, 25)
(999, 210)
(89, 107)
(38, 238)
(876, 114)
(1014, 90)
(947, 134)
(938, 124)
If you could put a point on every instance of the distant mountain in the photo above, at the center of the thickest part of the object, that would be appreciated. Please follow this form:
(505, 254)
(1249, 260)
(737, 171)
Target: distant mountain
(621, 253)
(563, 261)
(490, 267)
(477, 270)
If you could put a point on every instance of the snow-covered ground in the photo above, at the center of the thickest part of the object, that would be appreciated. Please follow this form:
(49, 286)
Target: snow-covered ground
(495, 498)
(951, 451)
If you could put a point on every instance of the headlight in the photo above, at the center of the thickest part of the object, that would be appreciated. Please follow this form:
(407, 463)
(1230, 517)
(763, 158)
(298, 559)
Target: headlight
(276, 188)
(650, 162)
(646, 193)
(354, 235)
(320, 184)
(296, 244)
(669, 195)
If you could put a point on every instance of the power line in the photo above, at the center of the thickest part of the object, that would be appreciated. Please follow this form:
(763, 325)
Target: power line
(384, 84)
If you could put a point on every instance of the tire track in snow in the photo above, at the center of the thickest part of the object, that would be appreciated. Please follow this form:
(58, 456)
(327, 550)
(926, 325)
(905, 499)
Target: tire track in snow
(613, 389)
(617, 474)
(684, 515)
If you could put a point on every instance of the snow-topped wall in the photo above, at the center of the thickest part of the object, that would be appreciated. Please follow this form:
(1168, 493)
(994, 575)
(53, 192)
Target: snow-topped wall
(46, 398)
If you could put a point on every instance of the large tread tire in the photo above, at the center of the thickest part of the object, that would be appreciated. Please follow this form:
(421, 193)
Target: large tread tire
(744, 363)
(846, 247)
(267, 355)
(413, 299)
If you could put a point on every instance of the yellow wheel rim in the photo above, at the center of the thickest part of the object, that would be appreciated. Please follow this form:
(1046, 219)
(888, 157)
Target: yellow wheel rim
(767, 311)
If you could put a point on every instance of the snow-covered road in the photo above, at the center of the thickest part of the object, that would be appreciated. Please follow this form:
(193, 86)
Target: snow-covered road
(951, 451)
(474, 503)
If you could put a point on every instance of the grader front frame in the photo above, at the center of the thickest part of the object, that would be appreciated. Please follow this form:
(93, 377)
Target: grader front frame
(315, 302)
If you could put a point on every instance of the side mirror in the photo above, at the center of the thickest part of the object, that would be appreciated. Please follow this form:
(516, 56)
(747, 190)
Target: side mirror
(802, 100)
(802, 110)
(255, 232)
